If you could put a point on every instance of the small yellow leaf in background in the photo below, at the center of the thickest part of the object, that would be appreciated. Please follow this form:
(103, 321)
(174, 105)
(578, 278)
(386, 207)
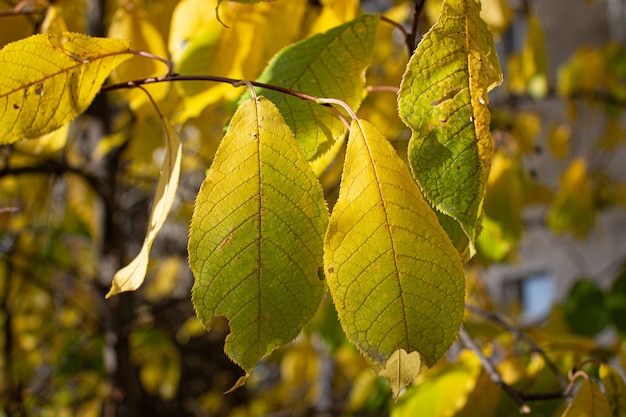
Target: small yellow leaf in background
(46, 144)
(135, 26)
(497, 14)
(401, 370)
(52, 80)
(53, 23)
(572, 208)
(525, 130)
(614, 134)
(559, 139)
(132, 275)
(334, 13)
(534, 60)
(442, 391)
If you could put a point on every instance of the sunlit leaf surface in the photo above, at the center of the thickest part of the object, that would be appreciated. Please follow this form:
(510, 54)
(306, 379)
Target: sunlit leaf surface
(309, 66)
(256, 236)
(443, 99)
(396, 280)
(48, 80)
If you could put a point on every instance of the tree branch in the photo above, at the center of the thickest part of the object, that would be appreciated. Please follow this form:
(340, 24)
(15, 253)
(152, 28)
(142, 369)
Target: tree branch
(411, 39)
(232, 81)
(517, 333)
(493, 373)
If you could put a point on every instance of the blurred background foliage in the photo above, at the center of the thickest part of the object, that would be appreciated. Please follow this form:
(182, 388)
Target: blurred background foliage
(74, 206)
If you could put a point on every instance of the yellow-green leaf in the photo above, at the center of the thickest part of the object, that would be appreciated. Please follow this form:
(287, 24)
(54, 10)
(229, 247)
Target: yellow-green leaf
(559, 140)
(588, 402)
(504, 198)
(443, 99)
(401, 370)
(309, 66)
(614, 389)
(132, 275)
(48, 80)
(534, 58)
(441, 393)
(572, 208)
(256, 236)
(395, 278)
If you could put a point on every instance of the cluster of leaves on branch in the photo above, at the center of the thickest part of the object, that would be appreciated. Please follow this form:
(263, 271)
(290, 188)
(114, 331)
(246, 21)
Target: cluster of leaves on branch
(311, 190)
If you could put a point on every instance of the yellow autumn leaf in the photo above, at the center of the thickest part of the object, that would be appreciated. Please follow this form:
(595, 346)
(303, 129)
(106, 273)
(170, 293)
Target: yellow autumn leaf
(572, 208)
(53, 23)
(53, 80)
(46, 144)
(395, 278)
(497, 14)
(334, 13)
(534, 60)
(401, 370)
(559, 140)
(443, 392)
(135, 26)
(132, 275)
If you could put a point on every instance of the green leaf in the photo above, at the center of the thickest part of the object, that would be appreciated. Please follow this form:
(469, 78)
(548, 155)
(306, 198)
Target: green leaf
(132, 275)
(588, 402)
(395, 278)
(443, 99)
(614, 389)
(310, 66)
(48, 80)
(585, 308)
(256, 236)
(616, 302)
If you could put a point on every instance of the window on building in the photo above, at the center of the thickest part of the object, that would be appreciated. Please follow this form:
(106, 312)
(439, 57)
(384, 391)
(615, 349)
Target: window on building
(529, 297)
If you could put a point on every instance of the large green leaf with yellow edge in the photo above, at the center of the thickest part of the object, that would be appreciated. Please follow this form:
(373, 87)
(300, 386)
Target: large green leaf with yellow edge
(443, 99)
(48, 80)
(309, 66)
(589, 401)
(395, 278)
(256, 236)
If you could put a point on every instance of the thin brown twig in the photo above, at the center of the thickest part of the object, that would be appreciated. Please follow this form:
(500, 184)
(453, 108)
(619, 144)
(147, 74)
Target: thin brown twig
(379, 88)
(212, 78)
(398, 26)
(170, 64)
(411, 39)
(520, 335)
(493, 373)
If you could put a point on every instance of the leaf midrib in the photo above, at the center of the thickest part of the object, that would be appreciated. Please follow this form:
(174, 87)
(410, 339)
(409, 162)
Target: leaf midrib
(393, 246)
